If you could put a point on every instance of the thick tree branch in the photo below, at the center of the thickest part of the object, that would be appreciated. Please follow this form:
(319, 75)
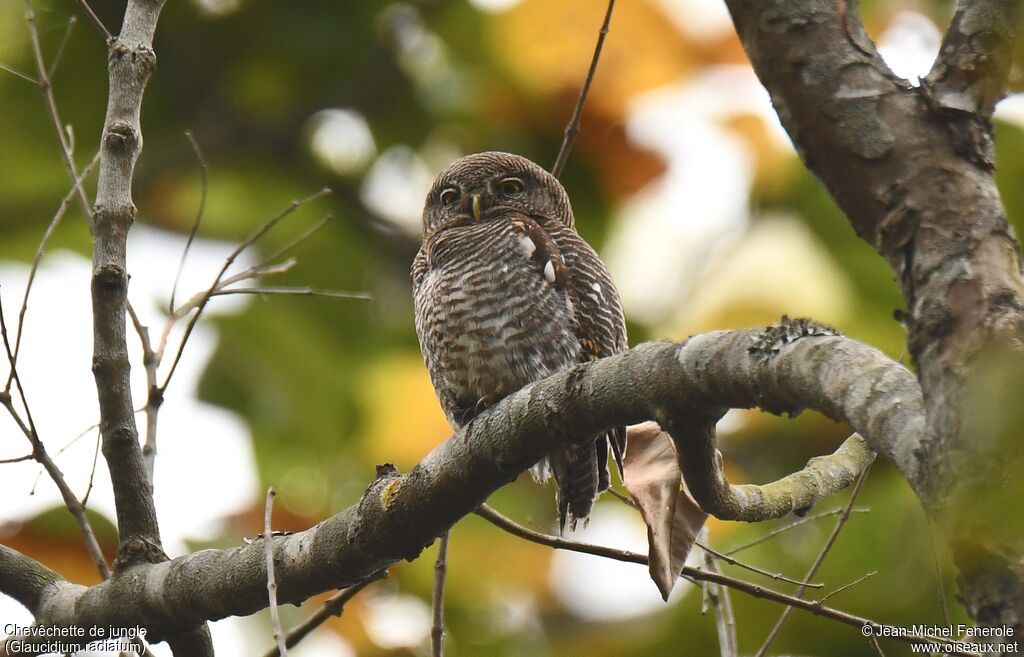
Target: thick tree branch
(977, 52)
(905, 171)
(399, 515)
(912, 169)
(131, 61)
(25, 579)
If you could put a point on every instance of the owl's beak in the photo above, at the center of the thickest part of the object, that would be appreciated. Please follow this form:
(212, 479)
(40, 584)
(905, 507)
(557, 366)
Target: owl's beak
(476, 207)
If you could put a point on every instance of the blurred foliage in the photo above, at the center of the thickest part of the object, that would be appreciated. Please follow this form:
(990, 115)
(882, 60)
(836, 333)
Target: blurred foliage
(330, 388)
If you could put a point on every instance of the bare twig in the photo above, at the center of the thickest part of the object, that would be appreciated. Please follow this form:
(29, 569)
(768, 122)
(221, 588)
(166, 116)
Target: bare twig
(19, 74)
(295, 292)
(573, 128)
(39, 453)
(265, 268)
(796, 523)
(940, 587)
(268, 550)
(754, 569)
(258, 233)
(63, 44)
(757, 591)
(17, 459)
(333, 607)
(95, 20)
(306, 234)
(721, 603)
(92, 472)
(46, 88)
(195, 300)
(58, 215)
(829, 542)
(873, 642)
(440, 574)
(204, 172)
(153, 397)
(855, 582)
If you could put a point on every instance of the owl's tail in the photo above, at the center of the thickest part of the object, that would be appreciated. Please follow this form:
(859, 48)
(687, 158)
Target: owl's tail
(577, 481)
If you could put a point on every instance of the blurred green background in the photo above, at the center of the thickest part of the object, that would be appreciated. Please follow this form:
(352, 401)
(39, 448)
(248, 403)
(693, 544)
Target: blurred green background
(371, 99)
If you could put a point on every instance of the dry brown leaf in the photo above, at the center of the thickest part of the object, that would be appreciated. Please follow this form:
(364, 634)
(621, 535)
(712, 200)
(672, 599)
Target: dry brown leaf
(672, 516)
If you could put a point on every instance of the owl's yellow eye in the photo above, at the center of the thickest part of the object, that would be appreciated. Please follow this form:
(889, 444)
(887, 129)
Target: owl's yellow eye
(449, 196)
(511, 187)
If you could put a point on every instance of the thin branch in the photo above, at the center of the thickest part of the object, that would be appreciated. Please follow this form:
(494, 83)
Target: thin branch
(58, 215)
(855, 582)
(333, 607)
(721, 603)
(754, 569)
(757, 591)
(95, 20)
(440, 574)
(204, 172)
(60, 49)
(195, 300)
(941, 589)
(39, 453)
(829, 542)
(268, 550)
(18, 459)
(46, 88)
(266, 268)
(573, 128)
(294, 292)
(292, 207)
(304, 236)
(792, 525)
(153, 397)
(19, 74)
(92, 472)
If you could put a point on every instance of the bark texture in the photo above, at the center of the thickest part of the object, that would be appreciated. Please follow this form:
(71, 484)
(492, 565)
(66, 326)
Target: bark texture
(131, 61)
(912, 169)
(782, 369)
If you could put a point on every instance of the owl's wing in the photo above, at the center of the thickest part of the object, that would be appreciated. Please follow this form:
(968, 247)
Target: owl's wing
(427, 315)
(600, 323)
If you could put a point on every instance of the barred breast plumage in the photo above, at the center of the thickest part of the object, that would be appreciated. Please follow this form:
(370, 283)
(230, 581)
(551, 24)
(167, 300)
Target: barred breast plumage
(507, 293)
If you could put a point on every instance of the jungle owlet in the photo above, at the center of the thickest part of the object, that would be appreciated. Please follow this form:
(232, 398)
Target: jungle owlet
(508, 293)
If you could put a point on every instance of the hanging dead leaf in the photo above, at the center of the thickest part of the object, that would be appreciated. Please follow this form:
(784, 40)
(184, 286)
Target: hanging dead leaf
(672, 516)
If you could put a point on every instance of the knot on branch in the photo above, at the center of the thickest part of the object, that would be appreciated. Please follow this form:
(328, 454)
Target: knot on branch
(156, 393)
(137, 551)
(120, 137)
(140, 55)
(110, 277)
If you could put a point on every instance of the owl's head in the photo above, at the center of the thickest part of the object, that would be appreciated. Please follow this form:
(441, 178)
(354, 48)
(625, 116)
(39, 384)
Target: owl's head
(487, 186)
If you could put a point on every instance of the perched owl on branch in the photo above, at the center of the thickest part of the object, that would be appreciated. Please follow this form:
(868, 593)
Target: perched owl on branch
(507, 293)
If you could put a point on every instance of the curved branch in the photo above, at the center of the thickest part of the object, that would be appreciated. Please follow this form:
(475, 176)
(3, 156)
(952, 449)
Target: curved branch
(399, 515)
(912, 169)
(916, 182)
